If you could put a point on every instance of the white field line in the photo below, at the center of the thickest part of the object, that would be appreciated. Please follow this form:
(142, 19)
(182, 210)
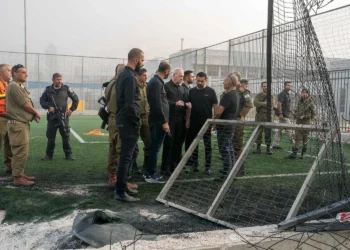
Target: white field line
(77, 136)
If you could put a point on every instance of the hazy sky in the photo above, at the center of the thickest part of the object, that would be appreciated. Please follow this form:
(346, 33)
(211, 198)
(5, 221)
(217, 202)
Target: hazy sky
(109, 28)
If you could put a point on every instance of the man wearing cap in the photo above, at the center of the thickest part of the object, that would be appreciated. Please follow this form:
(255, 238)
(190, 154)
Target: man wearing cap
(20, 111)
(245, 105)
(5, 77)
(305, 112)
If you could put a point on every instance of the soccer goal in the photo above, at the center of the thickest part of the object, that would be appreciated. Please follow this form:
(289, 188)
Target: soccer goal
(256, 188)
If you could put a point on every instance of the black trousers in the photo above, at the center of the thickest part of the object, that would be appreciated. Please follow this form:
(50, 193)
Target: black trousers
(51, 131)
(172, 146)
(128, 141)
(192, 133)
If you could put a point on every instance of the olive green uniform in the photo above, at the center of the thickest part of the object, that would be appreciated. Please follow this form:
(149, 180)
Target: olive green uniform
(18, 125)
(245, 101)
(304, 113)
(260, 103)
(114, 140)
(144, 130)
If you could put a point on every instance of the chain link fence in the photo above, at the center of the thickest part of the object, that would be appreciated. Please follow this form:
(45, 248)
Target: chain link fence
(247, 54)
(84, 75)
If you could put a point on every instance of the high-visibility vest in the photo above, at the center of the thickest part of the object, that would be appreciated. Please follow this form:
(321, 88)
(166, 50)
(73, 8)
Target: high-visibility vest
(3, 88)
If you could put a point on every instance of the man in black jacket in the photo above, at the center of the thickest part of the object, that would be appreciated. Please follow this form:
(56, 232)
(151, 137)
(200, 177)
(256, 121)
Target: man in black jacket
(158, 119)
(128, 120)
(57, 95)
(178, 103)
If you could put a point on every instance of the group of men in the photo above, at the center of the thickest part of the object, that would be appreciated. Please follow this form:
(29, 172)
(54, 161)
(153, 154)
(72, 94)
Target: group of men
(17, 111)
(164, 114)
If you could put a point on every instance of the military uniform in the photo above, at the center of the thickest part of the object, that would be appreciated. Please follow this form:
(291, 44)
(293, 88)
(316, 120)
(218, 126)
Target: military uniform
(144, 130)
(114, 140)
(260, 103)
(285, 101)
(60, 96)
(245, 101)
(4, 138)
(18, 129)
(304, 113)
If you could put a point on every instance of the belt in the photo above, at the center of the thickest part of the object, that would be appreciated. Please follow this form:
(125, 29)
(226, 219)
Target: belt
(16, 122)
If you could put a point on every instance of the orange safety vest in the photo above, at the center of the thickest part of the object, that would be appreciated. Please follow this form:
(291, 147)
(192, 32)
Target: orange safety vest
(3, 88)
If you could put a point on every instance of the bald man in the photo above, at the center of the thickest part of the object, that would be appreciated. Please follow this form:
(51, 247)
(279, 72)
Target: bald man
(178, 103)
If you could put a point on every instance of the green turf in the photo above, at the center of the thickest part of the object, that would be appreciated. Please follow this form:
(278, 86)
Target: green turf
(90, 167)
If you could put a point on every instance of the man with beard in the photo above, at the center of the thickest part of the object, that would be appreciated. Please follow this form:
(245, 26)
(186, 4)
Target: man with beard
(177, 99)
(128, 120)
(260, 103)
(56, 95)
(158, 119)
(204, 103)
(284, 113)
(5, 77)
(188, 80)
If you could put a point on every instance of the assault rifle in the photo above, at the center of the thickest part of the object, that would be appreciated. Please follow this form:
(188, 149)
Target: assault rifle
(102, 112)
(60, 116)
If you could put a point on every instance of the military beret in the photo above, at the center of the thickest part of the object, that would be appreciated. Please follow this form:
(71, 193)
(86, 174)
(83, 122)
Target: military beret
(244, 81)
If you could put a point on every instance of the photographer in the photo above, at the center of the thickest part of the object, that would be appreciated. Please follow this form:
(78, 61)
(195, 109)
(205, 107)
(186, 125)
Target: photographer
(54, 99)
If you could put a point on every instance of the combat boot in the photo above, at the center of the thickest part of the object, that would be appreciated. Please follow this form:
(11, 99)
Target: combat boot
(112, 180)
(8, 170)
(69, 157)
(21, 181)
(268, 150)
(303, 150)
(46, 158)
(257, 150)
(28, 178)
(293, 155)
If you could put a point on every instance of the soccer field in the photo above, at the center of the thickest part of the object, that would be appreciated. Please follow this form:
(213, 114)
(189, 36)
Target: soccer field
(62, 186)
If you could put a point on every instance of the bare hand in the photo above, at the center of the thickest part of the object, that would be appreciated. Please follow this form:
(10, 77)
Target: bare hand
(180, 103)
(51, 109)
(166, 128)
(281, 117)
(213, 128)
(37, 117)
(69, 113)
(187, 124)
(188, 105)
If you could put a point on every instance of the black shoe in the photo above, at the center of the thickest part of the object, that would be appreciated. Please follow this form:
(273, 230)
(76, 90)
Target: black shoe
(207, 172)
(292, 156)
(69, 158)
(268, 151)
(277, 147)
(301, 156)
(195, 170)
(165, 173)
(257, 151)
(46, 158)
(125, 197)
(130, 191)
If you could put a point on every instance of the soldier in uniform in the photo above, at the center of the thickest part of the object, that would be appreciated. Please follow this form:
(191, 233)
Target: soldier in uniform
(245, 105)
(20, 111)
(57, 95)
(144, 130)
(113, 132)
(5, 77)
(284, 113)
(304, 113)
(260, 102)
